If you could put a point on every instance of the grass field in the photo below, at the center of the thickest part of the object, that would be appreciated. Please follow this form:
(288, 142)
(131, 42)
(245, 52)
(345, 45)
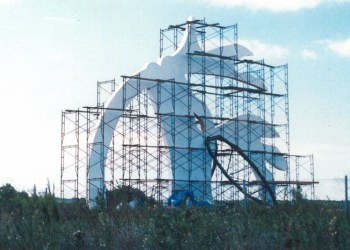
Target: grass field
(43, 222)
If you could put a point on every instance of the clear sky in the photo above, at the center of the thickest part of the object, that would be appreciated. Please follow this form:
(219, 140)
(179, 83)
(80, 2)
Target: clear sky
(52, 53)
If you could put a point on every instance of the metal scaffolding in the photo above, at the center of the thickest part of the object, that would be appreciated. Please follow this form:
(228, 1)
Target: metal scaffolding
(140, 157)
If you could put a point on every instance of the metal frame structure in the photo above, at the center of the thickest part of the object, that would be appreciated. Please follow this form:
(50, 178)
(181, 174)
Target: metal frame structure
(138, 155)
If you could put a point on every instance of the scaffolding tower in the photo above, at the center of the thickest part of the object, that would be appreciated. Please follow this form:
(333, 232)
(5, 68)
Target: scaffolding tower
(139, 156)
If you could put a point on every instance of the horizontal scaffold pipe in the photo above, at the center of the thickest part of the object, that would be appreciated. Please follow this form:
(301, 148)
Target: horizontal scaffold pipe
(71, 111)
(237, 61)
(161, 147)
(134, 116)
(248, 183)
(230, 94)
(215, 25)
(239, 89)
(197, 21)
(218, 154)
(171, 180)
(200, 24)
(281, 183)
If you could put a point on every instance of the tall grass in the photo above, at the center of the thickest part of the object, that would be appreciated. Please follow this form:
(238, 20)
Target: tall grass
(42, 222)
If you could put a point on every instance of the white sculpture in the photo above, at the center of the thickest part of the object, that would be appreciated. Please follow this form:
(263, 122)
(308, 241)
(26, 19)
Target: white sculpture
(175, 67)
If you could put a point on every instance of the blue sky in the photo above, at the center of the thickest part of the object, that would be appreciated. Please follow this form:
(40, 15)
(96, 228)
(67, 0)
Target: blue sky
(53, 52)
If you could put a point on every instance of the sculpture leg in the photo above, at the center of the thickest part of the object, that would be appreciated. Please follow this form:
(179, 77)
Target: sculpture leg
(190, 161)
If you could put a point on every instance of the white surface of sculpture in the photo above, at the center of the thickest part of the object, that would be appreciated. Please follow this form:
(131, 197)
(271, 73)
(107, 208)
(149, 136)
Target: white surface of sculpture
(175, 67)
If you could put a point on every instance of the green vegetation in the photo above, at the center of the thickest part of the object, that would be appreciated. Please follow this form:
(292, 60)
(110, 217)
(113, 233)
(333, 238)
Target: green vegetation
(42, 222)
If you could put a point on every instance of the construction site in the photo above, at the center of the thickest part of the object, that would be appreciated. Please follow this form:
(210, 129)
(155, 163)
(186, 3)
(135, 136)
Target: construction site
(204, 119)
